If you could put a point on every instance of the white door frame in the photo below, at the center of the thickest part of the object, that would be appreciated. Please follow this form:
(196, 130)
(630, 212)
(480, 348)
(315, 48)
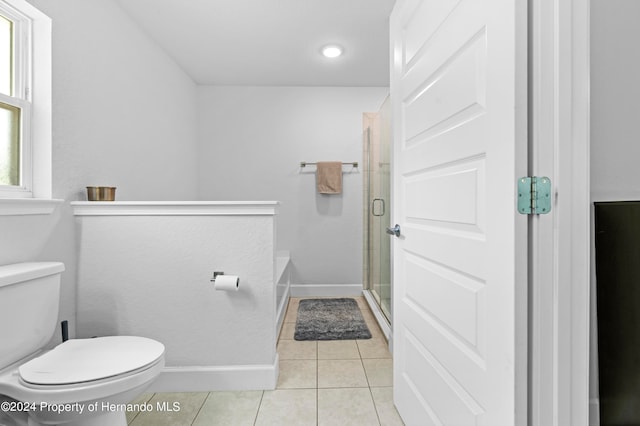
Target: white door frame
(559, 244)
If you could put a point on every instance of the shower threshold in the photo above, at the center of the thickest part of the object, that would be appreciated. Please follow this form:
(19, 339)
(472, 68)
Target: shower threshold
(384, 324)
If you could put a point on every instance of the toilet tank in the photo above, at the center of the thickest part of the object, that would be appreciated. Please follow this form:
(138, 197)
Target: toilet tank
(29, 301)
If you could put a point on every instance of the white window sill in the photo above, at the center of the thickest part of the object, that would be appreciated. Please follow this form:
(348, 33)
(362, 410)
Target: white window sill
(27, 206)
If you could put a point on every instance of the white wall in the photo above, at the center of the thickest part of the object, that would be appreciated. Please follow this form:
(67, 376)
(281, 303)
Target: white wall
(123, 111)
(252, 140)
(615, 90)
(147, 273)
(123, 114)
(615, 146)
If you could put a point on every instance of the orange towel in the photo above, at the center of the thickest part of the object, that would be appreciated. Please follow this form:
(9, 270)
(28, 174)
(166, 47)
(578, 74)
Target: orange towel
(329, 177)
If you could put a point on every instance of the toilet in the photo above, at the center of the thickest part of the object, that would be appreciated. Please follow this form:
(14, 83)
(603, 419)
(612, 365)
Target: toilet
(85, 382)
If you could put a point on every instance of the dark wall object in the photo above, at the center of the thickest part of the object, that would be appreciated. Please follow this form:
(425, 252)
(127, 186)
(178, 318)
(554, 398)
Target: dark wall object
(617, 241)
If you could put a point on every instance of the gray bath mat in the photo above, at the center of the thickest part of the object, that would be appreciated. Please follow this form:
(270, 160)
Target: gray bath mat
(330, 319)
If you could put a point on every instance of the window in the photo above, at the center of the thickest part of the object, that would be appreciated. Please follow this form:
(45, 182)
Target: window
(15, 105)
(25, 101)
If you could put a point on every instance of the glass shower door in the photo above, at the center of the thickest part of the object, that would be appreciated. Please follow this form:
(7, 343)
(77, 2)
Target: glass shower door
(377, 194)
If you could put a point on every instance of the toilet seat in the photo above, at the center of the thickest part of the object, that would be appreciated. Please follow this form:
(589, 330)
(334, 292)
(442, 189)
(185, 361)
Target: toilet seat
(79, 361)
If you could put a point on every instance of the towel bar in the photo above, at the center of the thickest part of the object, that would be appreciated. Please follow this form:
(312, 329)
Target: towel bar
(304, 164)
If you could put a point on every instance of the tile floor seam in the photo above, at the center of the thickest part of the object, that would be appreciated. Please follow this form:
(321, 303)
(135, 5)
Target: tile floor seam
(201, 407)
(296, 388)
(366, 376)
(255, 420)
(134, 417)
(317, 405)
(349, 387)
(139, 412)
(358, 347)
(375, 406)
(317, 386)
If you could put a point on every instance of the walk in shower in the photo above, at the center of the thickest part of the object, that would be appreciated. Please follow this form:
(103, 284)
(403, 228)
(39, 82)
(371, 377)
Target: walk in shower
(377, 211)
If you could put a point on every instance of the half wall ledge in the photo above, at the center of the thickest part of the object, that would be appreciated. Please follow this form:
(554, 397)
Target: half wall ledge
(175, 208)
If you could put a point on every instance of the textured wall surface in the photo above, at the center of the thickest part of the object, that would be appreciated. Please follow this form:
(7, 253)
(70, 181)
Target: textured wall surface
(252, 140)
(124, 114)
(150, 276)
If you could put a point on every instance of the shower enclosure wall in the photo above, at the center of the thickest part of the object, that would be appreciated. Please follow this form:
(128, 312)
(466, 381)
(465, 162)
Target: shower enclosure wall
(377, 209)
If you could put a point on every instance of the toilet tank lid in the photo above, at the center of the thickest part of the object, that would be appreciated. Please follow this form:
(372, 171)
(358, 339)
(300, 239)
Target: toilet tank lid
(20, 272)
(86, 360)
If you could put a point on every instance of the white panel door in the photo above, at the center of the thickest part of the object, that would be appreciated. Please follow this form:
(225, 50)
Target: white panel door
(458, 91)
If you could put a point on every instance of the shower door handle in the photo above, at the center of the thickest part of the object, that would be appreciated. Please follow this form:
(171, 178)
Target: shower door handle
(394, 231)
(373, 207)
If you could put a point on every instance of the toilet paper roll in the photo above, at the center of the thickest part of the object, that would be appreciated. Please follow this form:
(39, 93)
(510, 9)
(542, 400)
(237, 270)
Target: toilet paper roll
(227, 283)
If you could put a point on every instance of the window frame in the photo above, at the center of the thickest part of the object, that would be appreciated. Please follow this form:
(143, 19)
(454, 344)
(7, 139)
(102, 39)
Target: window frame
(32, 94)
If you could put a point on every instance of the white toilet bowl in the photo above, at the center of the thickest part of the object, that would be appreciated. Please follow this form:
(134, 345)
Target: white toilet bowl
(86, 382)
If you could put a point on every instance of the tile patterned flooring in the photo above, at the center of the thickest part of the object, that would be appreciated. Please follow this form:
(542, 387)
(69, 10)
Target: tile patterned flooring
(339, 382)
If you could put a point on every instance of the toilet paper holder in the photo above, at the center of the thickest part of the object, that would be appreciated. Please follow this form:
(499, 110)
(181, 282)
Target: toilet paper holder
(222, 282)
(215, 275)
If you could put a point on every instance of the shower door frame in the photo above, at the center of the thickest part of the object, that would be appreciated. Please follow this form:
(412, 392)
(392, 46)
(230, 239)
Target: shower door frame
(371, 129)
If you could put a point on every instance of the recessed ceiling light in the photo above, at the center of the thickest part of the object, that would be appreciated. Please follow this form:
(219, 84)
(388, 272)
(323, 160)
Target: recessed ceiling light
(332, 51)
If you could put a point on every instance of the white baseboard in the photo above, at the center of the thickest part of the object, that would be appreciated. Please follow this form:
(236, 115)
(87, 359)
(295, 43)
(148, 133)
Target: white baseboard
(283, 277)
(282, 311)
(325, 290)
(218, 378)
(594, 412)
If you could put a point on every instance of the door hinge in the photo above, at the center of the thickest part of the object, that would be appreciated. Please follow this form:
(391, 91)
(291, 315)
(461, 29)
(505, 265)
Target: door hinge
(534, 195)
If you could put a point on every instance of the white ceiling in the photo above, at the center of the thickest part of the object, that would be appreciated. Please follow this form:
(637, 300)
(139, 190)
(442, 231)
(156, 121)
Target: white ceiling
(271, 42)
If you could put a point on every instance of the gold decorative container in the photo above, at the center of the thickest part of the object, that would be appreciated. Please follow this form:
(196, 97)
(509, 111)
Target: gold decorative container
(101, 193)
